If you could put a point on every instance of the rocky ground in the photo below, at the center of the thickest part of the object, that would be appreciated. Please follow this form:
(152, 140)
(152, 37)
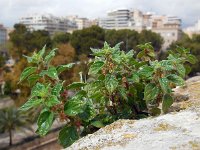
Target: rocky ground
(177, 130)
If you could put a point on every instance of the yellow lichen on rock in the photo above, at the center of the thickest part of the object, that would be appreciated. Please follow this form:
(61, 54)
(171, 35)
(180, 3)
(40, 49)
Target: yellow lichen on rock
(164, 127)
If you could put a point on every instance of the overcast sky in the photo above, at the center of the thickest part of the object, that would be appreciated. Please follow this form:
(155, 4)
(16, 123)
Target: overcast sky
(12, 10)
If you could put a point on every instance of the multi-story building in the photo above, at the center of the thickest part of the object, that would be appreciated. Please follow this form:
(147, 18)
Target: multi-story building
(47, 22)
(168, 27)
(117, 19)
(3, 38)
(195, 29)
(81, 23)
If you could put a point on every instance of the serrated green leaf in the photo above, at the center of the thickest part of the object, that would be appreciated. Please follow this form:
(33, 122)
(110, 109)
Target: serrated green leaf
(123, 93)
(42, 51)
(188, 69)
(26, 72)
(167, 65)
(29, 59)
(151, 91)
(32, 102)
(96, 67)
(88, 114)
(97, 52)
(76, 85)
(56, 89)
(135, 77)
(146, 71)
(164, 83)
(130, 54)
(74, 107)
(51, 72)
(140, 54)
(32, 79)
(111, 83)
(97, 124)
(176, 79)
(62, 68)
(48, 58)
(167, 101)
(80, 94)
(151, 53)
(52, 101)
(181, 70)
(191, 59)
(39, 90)
(44, 122)
(67, 136)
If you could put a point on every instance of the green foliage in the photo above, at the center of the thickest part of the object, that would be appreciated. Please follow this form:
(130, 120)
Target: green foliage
(61, 38)
(2, 61)
(149, 36)
(130, 38)
(122, 85)
(193, 45)
(83, 40)
(67, 136)
(24, 41)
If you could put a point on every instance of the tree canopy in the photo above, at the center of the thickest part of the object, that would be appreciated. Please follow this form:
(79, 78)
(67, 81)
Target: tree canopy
(130, 38)
(23, 41)
(83, 40)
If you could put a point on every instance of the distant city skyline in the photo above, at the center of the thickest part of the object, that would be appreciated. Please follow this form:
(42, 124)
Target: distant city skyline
(12, 10)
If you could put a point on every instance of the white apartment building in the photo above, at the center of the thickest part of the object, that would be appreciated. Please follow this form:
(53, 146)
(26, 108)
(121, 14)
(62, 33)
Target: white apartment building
(169, 27)
(117, 19)
(47, 22)
(81, 23)
(3, 37)
(195, 29)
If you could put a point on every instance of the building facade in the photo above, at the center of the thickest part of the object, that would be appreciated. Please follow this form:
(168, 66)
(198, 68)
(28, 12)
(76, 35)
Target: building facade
(169, 27)
(118, 19)
(81, 23)
(3, 38)
(195, 29)
(47, 22)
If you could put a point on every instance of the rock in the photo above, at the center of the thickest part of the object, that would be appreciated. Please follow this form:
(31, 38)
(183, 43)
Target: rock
(172, 131)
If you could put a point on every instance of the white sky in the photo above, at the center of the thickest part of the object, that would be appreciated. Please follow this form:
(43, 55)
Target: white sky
(12, 10)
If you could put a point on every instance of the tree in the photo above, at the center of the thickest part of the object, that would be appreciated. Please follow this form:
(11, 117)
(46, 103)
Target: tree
(13, 81)
(61, 38)
(149, 36)
(23, 42)
(130, 38)
(10, 120)
(2, 61)
(37, 39)
(17, 40)
(83, 40)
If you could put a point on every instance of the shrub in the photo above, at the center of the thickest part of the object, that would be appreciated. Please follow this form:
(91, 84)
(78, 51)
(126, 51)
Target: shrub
(121, 85)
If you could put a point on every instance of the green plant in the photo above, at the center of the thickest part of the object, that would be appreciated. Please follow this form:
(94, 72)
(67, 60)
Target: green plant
(121, 85)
